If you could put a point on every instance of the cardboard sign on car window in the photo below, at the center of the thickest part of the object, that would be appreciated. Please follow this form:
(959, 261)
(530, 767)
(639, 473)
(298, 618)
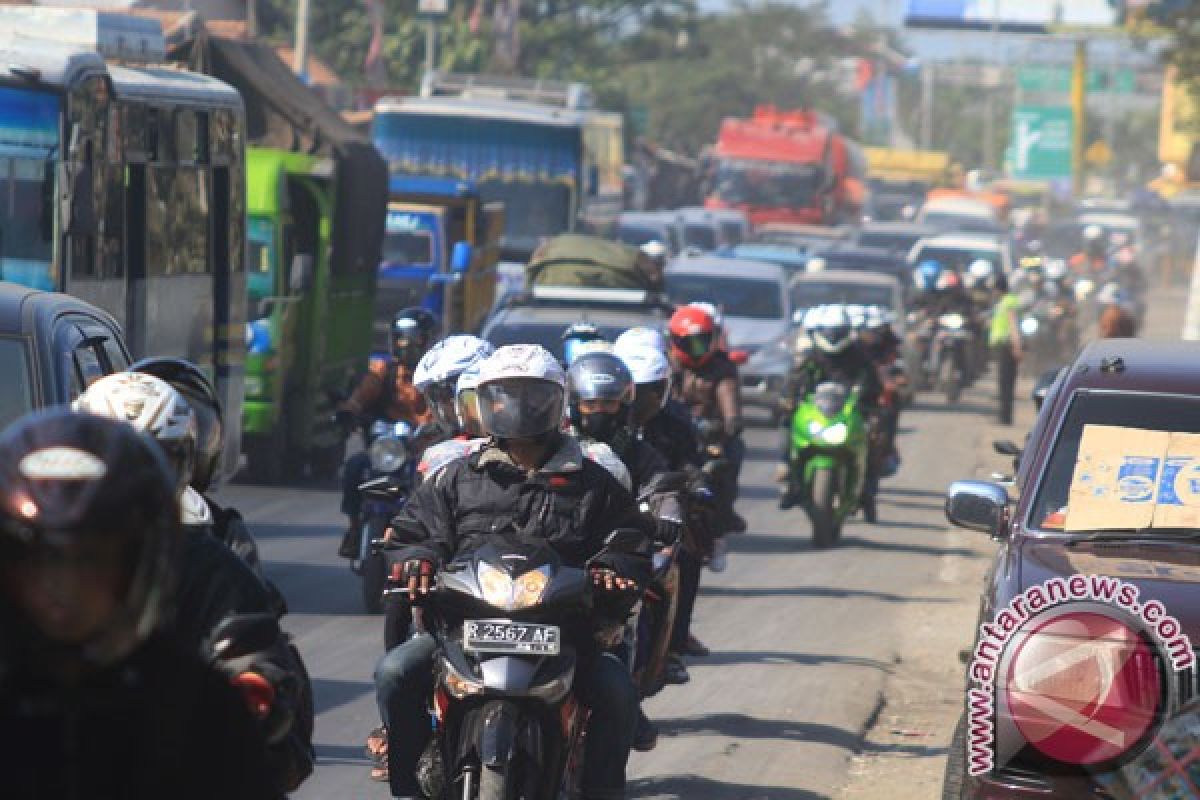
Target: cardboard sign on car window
(1134, 478)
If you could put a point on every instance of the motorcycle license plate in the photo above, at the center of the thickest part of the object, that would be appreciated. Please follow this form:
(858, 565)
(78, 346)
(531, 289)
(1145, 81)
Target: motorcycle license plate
(520, 638)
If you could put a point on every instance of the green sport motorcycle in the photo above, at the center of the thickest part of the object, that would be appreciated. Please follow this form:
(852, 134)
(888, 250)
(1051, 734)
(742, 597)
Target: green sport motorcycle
(828, 459)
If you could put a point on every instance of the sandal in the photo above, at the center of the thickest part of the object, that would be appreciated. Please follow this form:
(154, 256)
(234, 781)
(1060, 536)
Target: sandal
(377, 744)
(379, 772)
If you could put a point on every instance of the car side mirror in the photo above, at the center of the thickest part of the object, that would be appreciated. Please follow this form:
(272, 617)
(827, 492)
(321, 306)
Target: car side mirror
(739, 357)
(300, 279)
(977, 506)
(242, 634)
(625, 540)
(1006, 448)
(461, 257)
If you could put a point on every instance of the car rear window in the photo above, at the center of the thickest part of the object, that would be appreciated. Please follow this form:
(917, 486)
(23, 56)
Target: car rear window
(16, 391)
(548, 336)
(1159, 412)
(738, 297)
(957, 258)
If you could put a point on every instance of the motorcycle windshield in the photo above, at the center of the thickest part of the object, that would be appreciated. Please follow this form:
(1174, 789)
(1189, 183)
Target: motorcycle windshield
(830, 398)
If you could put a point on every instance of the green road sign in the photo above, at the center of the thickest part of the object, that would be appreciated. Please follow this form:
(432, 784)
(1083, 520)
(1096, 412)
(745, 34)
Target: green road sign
(1049, 79)
(1041, 142)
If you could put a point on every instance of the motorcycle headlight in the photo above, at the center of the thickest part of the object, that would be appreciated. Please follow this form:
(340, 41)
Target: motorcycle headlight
(387, 454)
(503, 592)
(1029, 326)
(836, 434)
(952, 321)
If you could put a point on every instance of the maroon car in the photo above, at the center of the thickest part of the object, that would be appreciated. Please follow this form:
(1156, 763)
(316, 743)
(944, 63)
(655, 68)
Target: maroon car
(1071, 729)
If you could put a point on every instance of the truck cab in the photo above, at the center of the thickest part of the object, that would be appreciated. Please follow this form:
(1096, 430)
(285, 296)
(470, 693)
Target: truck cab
(440, 251)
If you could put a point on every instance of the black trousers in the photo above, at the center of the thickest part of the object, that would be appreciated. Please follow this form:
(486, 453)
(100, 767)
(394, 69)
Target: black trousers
(1006, 382)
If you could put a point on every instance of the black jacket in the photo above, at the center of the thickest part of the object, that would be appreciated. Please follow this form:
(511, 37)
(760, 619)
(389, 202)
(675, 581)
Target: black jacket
(571, 501)
(672, 434)
(852, 366)
(159, 725)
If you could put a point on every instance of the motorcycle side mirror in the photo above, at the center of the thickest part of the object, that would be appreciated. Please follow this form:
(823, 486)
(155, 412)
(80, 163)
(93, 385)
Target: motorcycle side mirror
(625, 540)
(739, 357)
(1006, 448)
(242, 634)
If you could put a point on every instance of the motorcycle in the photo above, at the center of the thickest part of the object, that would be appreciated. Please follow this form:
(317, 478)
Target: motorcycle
(387, 489)
(829, 459)
(506, 619)
(1048, 334)
(949, 359)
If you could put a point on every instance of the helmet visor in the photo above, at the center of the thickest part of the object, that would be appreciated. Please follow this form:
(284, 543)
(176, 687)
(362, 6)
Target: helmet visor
(441, 400)
(649, 400)
(696, 345)
(467, 403)
(520, 408)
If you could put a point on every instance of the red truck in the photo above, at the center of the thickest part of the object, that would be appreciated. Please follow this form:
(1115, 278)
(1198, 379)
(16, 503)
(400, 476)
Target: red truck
(787, 166)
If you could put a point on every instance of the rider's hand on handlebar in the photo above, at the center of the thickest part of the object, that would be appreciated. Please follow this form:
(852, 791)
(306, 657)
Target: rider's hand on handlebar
(417, 576)
(610, 581)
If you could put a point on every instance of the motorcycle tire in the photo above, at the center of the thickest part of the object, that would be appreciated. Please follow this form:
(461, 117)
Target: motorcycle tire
(949, 383)
(821, 511)
(955, 777)
(374, 572)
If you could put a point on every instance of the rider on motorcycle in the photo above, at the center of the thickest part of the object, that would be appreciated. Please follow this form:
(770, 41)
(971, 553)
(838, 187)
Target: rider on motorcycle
(881, 344)
(437, 376)
(385, 392)
(533, 477)
(708, 384)
(97, 697)
(213, 582)
(580, 338)
(1092, 260)
(836, 355)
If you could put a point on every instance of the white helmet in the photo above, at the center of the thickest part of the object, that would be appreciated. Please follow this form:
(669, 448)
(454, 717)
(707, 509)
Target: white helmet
(655, 250)
(153, 407)
(438, 371)
(876, 318)
(834, 333)
(646, 364)
(522, 392)
(640, 336)
(1056, 269)
(447, 359)
(1093, 233)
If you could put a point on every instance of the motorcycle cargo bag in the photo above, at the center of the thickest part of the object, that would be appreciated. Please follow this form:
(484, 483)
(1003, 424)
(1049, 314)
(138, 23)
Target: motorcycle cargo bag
(590, 262)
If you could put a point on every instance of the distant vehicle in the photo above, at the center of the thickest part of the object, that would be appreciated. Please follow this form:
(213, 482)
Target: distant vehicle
(1139, 386)
(705, 230)
(900, 180)
(893, 201)
(756, 317)
(792, 258)
(895, 236)
(960, 214)
(543, 314)
(959, 251)
(788, 166)
(805, 237)
(852, 288)
(849, 257)
(538, 147)
(52, 347)
(124, 186)
(640, 227)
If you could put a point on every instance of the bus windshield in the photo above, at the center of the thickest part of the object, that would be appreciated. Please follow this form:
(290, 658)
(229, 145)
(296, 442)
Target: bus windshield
(29, 139)
(768, 184)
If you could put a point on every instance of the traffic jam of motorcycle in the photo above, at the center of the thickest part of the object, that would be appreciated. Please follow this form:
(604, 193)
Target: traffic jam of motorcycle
(462, 440)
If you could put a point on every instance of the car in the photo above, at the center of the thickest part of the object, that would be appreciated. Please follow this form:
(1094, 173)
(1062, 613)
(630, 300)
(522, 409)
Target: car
(753, 300)
(804, 237)
(637, 228)
(894, 236)
(542, 315)
(958, 251)
(709, 229)
(793, 259)
(962, 214)
(846, 256)
(52, 347)
(1139, 388)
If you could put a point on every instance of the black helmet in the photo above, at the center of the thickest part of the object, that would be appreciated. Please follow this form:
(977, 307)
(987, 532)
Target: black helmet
(86, 493)
(601, 382)
(413, 331)
(191, 382)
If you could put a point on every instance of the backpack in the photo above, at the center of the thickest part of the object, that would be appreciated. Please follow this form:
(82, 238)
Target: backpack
(590, 262)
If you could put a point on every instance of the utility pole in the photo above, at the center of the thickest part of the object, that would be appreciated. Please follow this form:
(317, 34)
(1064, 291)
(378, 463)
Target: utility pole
(252, 19)
(1079, 116)
(430, 46)
(300, 66)
(928, 86)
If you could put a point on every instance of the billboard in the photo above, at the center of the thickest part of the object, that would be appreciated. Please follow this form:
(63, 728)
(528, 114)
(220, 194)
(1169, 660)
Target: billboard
(1010, 16)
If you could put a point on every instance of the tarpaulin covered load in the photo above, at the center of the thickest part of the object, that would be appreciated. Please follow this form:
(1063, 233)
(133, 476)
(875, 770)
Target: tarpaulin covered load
(590, 262)
(282, 112)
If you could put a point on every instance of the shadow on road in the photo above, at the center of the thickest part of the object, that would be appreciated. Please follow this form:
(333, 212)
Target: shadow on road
(268, 530)
(983, 409)
(317, 588)
(814, 591)
(801, 542)
(886, 490)
(329, 694)
(915, 506)
(897, 547)
(741, 726)
(341, 754)
(759, 492)
(725, 658)
(694, 787)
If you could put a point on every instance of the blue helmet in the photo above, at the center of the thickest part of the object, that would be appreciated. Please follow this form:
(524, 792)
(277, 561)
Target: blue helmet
(927, 274)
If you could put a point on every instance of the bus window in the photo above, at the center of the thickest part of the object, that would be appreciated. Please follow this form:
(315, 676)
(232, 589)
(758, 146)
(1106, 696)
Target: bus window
(261, 265)
(177, 230)
(26, 220)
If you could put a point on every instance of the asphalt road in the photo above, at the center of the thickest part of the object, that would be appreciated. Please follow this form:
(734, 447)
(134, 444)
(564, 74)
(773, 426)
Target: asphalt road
(802, 640)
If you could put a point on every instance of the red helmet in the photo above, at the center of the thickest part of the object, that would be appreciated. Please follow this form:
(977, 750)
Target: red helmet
(693, 336)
